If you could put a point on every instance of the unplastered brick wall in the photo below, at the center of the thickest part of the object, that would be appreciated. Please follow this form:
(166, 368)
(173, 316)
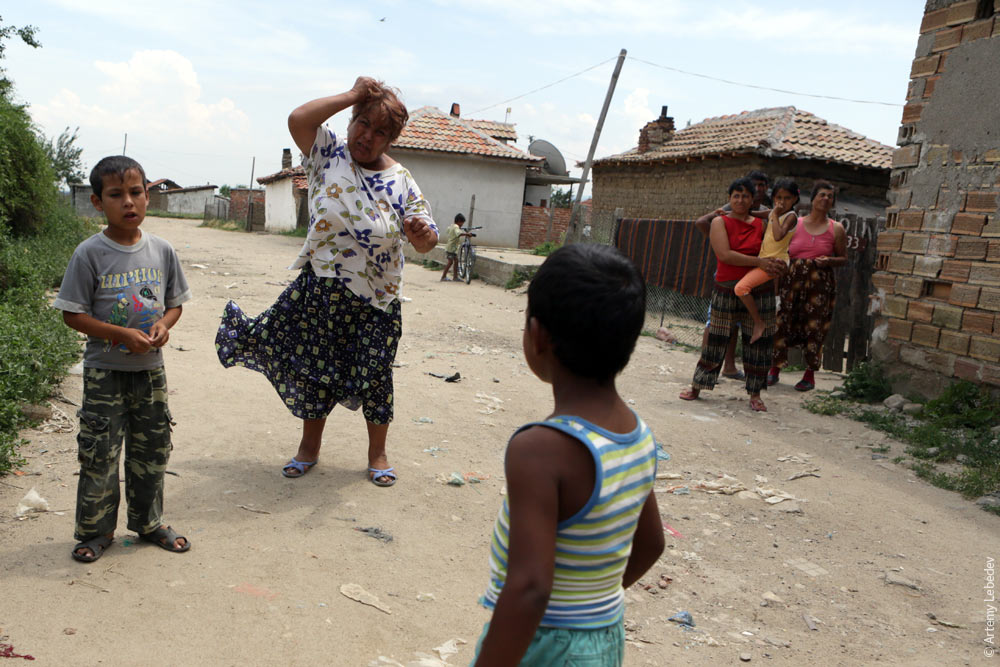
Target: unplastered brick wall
(688, 190)
(535, 224)
(939, 283)
(238, 198)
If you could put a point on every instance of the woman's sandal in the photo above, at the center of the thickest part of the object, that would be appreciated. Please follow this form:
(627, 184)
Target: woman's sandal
(375, 473)
(757, 405)
(301, 466)
(97, 546)
(165, 537)
(689, 394)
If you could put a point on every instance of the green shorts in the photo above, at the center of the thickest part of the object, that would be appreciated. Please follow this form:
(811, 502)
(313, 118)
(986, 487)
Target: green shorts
(560, 647)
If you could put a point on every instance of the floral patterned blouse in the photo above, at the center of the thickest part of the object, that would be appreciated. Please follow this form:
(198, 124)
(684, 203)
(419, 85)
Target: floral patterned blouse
(356, 220)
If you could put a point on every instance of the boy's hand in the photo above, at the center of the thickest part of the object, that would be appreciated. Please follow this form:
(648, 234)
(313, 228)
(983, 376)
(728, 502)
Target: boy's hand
(419, 233)
(159, 334)
(135, 340)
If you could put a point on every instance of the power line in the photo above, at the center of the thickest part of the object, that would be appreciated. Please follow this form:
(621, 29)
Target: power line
(548, 85)
(749, 85)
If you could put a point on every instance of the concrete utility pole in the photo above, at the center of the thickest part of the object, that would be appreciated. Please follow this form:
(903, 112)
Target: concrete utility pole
(253, 166)
(575, 214)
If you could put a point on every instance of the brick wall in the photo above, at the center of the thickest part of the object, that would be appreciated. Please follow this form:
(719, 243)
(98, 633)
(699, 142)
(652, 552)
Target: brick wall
(535, 222)
(238, 198)
(940, 254)
(688, 190)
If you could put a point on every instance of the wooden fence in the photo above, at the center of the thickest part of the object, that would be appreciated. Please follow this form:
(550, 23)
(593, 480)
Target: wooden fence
(674, 257)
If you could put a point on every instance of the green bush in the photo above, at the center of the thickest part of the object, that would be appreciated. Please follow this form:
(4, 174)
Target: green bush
(867, 382)
(546, 249)
(35, 346)
(27, 181)
(964, 405)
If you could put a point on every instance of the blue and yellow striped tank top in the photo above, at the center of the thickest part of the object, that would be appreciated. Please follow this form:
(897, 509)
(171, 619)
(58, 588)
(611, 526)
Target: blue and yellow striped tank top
(593, 546)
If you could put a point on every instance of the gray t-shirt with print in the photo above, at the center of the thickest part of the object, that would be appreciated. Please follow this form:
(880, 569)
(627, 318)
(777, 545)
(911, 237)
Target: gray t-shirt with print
(129, 286)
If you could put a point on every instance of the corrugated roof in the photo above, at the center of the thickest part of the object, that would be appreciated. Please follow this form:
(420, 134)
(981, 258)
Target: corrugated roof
(430, 129)
(495, 129)
(775, 132)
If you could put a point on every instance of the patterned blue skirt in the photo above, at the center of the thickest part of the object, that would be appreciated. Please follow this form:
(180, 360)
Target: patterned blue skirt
(319, 345)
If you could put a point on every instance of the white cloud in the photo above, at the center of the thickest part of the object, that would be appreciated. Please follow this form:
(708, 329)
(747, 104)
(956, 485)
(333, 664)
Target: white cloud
(157, 91)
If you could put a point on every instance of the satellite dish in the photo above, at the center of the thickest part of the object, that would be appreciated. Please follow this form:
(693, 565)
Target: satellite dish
(554, 162)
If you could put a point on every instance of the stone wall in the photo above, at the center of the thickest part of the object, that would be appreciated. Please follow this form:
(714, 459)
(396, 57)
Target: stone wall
(535, 223)
(939, 258)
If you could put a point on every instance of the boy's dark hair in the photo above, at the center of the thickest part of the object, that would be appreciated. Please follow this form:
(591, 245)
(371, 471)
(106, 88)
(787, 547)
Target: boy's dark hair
(788, 185)
(756, 175)
(459, 218)
(592, 301)
(822, 185)
(113, 164)
(742, 184)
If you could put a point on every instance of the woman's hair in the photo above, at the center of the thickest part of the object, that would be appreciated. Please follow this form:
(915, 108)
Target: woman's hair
(742, 184)
(822, 185)
(384, 108)
(789, 186)
(113, 164)
(592, 301)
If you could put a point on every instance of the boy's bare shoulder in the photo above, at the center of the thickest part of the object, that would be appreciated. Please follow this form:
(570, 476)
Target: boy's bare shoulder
(545, 448)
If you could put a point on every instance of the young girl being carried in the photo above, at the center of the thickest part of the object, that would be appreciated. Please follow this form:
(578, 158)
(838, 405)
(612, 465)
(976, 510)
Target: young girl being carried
(778, 234)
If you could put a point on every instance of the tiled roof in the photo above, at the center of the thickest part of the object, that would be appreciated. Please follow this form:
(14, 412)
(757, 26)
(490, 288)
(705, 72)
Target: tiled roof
(495, 129)
(776, 132)
(430, 129)
(297, 174)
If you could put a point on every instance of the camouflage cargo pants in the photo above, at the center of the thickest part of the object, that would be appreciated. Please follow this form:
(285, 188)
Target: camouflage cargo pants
(129, 406)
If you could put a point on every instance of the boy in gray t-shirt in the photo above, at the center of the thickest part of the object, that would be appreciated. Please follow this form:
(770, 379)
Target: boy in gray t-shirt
(124, 289)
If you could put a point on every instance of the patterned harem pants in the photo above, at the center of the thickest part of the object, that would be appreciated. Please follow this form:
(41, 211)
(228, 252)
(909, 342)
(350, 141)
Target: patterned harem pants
(728, 312)
(808, 294)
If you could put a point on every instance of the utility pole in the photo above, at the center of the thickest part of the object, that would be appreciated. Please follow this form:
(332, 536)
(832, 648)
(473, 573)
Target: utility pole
(253, 165)
(126, 143)
(472, 209)
(575, 214)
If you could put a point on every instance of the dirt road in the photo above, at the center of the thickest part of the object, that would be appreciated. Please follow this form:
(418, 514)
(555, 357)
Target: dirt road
(864, 553)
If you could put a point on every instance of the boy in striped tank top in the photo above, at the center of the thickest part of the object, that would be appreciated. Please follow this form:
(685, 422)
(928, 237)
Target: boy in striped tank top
(579, 523)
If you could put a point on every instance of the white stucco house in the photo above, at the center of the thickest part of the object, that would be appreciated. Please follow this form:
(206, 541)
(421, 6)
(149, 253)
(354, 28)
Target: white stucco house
(452, 159)
(285, 204)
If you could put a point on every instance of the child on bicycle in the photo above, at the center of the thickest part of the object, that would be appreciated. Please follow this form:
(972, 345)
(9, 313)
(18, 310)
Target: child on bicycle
(579, 523)
(452, 238)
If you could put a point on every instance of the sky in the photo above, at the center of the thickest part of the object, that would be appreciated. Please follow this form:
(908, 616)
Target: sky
(203, 88)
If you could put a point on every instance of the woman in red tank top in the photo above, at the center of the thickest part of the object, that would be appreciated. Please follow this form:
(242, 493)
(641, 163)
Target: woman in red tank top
(736, 240)
(809, 289)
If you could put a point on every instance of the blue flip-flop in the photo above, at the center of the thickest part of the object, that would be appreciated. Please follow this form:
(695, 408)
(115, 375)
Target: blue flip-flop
(302, 466)
(375, 473)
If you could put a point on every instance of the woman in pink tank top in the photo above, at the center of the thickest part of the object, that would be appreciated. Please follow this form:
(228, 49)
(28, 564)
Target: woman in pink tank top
(809, 289)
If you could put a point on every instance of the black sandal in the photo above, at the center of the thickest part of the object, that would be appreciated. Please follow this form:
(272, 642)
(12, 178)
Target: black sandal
(165, 538)
(97, 546)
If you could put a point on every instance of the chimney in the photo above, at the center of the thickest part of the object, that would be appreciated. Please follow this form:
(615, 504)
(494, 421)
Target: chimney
(286, 158)
(456, 110)
(656, 133)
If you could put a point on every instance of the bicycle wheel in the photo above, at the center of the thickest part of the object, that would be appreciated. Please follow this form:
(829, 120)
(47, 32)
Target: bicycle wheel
(463, 254)
(470, 261)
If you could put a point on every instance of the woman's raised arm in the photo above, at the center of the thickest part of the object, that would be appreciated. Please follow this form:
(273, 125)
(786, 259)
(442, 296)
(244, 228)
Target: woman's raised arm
(304, 120)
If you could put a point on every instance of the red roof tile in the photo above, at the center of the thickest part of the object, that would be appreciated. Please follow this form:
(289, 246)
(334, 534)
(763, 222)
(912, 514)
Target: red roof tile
(430, 129)
(494, 128)
(776, 132)
(297, 174)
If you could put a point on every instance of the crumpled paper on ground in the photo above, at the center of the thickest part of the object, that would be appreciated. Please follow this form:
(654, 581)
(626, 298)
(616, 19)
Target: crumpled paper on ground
(726, 484)
(32, 502)
(774, 496)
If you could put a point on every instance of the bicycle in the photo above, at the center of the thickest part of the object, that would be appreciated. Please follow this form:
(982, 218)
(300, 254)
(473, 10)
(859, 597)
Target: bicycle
(467, 256)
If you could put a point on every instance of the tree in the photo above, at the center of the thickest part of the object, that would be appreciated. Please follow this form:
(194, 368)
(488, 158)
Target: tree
(224, 190)
(65, 157)
(27, 35)
(562, 198)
